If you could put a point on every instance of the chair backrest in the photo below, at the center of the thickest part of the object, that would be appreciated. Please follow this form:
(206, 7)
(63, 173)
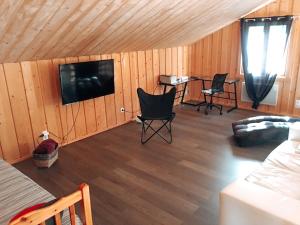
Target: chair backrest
(218, 82)
(39, 216)
(156, 106)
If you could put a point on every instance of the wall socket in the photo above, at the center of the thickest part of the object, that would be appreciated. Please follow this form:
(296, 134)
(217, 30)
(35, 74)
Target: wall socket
(122, 109)
(297, 104)
(45, 135)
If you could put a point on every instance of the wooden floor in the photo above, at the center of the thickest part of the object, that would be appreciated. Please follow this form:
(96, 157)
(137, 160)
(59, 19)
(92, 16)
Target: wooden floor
(156, 183)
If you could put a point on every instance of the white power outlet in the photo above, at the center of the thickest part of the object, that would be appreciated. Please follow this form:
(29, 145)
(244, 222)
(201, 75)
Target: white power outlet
(297, 104)
(122, 109)
(137, 120)
(45, 134)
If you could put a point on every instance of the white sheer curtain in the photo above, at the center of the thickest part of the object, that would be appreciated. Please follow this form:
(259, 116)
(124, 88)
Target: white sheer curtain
(275, 54)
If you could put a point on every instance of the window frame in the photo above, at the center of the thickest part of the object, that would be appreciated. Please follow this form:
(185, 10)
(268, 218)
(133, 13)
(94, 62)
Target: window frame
(281, 75)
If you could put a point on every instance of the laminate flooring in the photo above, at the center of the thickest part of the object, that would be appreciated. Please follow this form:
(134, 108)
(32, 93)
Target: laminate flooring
(155, 183)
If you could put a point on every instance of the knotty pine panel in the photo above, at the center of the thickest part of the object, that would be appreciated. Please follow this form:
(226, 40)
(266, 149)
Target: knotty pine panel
(34, 98)
(19, 107)
(8, 136)
(119, 96)
(155, 61)
(129, 87)
(49, 84)
(30, 98)
(132, 69)
(220, 52)
(149, 71)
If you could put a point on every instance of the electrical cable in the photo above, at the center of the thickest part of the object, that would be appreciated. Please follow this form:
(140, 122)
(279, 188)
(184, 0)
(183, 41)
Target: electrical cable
(125, 111)
(73, 125)
(62, 139)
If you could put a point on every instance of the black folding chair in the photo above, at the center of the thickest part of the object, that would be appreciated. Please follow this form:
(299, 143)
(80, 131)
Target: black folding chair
(156, 107)
(217, 87)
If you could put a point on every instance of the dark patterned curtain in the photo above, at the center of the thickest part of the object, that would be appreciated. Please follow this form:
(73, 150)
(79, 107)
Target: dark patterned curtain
(264, 41)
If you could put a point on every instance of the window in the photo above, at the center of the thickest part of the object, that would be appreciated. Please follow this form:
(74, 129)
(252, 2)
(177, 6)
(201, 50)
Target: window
(263, 53)
(276, 59)
(264, 42)
(254, 48)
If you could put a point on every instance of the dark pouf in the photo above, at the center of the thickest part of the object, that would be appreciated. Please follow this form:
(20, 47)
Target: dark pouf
(46, 153)
(262, 129)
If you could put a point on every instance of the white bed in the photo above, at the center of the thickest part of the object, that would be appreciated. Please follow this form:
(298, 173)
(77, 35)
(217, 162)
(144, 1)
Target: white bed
(269, 195)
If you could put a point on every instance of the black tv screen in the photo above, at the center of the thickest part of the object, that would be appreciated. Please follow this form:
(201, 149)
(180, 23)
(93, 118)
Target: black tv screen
(86, 80)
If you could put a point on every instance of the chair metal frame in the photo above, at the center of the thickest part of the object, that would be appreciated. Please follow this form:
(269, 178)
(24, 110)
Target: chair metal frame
(165, 123)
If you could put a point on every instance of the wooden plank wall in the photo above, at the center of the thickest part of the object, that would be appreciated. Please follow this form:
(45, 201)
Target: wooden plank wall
(220, 52)
(30, 98)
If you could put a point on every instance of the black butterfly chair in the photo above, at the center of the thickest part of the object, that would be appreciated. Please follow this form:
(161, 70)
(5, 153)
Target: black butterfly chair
(217, 87)
(156, 107)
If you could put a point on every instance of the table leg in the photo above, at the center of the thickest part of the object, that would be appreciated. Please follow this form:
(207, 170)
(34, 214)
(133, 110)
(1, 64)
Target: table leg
(183, 93)
(205, 100)
(203, 88)
(235, 99)
(165, 89)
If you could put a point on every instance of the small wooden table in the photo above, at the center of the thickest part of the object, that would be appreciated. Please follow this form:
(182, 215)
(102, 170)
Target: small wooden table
(204, 79)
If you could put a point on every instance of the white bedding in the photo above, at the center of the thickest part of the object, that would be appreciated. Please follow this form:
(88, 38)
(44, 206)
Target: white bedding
(280, 172)
(270, 195)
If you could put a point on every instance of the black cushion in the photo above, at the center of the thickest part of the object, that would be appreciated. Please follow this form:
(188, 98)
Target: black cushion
(261, 129)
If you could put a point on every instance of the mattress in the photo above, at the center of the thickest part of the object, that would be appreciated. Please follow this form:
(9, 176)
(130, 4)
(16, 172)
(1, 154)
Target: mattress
(17, 192)
(280, 172)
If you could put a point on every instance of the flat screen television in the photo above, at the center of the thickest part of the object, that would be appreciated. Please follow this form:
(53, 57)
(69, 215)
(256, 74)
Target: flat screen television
(86, 80)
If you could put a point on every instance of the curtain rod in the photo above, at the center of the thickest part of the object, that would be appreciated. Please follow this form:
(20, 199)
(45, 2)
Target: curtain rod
(268, 18)
(252, 18)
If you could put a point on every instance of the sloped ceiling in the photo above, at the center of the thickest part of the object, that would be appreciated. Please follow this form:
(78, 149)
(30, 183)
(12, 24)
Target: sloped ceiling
(43, 29)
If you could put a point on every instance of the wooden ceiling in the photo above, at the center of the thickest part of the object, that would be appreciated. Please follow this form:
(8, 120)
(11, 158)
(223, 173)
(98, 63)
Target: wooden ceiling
(43, 29)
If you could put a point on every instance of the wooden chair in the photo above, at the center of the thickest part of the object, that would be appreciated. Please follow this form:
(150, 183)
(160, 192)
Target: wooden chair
(39, 216)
